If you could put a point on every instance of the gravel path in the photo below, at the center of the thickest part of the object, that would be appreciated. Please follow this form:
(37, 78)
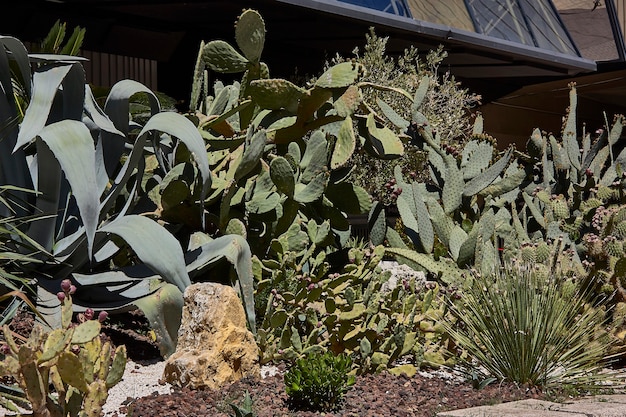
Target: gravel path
(140, 379)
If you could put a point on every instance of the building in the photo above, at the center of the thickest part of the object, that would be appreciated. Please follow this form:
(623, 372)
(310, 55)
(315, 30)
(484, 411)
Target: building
(518, 54)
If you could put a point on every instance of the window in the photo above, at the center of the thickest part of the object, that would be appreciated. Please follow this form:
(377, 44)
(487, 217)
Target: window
(397, 7)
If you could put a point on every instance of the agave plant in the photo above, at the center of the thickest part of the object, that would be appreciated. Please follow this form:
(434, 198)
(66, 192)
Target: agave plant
(18, 253)
(87, 165)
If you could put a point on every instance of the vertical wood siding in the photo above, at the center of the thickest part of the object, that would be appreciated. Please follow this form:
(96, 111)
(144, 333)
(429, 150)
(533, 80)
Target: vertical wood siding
(106, 69)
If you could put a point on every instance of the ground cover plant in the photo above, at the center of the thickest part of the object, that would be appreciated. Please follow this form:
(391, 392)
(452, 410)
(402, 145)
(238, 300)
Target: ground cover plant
(319, 381)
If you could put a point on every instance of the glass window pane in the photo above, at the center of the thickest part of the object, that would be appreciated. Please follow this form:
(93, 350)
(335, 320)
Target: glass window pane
(546, 27)
(449, 13)
(397, 7)
(501, 19)
(589, 25)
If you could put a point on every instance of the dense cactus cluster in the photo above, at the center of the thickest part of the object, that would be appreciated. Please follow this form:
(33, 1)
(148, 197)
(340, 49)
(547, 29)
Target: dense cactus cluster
(73, 361)
(353, 310)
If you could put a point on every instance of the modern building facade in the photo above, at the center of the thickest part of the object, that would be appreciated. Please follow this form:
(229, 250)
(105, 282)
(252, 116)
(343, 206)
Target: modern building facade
(505, 50)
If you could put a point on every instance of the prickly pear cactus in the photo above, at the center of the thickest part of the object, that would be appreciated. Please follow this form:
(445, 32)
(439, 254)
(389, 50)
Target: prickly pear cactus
(73, 360)
(355, 310)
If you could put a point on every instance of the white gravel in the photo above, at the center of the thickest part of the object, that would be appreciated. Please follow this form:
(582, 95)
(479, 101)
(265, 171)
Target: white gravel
(139, 380)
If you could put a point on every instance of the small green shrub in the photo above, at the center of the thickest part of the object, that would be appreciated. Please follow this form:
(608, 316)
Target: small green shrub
(517, 326)
(446, 106)
(319, 382)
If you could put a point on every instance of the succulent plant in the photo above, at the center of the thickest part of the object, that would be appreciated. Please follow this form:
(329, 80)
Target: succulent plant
(317, 303)
(72, 360)
(278, 152)
(319, 382)
(87, 166)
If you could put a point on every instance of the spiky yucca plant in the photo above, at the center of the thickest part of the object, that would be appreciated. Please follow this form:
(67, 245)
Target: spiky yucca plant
(517, 327)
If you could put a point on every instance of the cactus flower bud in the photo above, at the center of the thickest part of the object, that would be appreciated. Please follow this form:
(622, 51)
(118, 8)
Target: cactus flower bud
(72, 289)
(102, 316)
(65, 285)
(89, 314)
(61, 296)
(5, 349)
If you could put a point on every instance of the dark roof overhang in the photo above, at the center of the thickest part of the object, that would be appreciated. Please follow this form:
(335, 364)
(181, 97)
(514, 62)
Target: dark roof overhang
(472, 55)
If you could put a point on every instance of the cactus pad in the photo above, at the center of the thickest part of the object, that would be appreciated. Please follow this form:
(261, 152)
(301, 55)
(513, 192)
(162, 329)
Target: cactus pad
(341, 75)
(221, 57)
(250, 34)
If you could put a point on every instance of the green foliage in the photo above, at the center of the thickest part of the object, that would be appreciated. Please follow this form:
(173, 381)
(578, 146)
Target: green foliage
(576, 194)
(245, 409)
(465, 213)
(278, 151)
(319, 382)
(72, 360)
(19, 254)
(355, 310)
(53, 42)
(444, 104)
(518, 326)
(91, 183)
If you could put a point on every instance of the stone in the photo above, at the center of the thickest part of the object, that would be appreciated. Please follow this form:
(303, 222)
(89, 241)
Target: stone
(214, 346)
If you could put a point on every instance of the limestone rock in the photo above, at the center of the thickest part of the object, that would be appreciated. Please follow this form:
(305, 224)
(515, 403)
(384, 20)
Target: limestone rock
(214, 346)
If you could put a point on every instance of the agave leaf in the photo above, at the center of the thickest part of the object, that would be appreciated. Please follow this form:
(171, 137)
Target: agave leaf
(237, 251)
(20, 55)
(13, 167)
(182, 128)
(118, 109)
(46, 84)
(154, 245)
(73, 148)
(97, 115)
(164, 310)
